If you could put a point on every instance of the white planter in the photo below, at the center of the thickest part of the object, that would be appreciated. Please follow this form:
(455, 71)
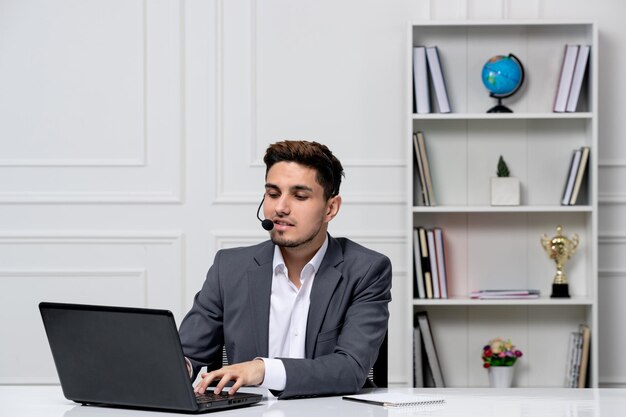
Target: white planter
(505, 191)
(501, 376)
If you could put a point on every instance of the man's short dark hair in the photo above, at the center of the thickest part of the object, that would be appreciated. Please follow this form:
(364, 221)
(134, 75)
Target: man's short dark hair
(310, 154)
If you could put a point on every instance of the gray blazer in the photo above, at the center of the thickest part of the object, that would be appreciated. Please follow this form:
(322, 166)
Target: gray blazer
(346, 325)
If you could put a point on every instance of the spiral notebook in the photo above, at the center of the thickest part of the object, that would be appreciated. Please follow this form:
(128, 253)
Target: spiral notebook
(397, 400)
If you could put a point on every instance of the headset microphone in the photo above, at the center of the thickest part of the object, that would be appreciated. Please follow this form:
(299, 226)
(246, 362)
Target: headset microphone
(266, 224)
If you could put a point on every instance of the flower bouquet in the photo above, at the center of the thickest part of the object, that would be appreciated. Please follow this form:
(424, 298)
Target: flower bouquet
(500, 353)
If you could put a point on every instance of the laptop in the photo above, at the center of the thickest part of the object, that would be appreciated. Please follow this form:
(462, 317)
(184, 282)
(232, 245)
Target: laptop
(126, 357)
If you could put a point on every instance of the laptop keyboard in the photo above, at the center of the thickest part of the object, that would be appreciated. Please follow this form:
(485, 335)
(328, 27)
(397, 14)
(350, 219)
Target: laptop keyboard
(208, 397)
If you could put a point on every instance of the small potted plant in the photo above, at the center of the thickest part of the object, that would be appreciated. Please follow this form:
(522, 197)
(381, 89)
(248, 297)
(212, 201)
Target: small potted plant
(505, 190)
(499, 357)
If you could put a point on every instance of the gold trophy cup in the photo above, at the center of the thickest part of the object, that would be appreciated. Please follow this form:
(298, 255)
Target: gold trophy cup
(560, 249)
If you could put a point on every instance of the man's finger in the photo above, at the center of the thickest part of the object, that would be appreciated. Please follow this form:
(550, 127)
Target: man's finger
(220, 385)
(235, 386)
(206, 380)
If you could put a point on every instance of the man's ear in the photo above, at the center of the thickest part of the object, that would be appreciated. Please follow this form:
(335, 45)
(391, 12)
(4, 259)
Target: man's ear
(332, 207)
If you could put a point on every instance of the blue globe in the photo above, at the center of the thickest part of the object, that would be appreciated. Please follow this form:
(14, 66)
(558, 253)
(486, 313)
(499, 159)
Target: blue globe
(502, 75)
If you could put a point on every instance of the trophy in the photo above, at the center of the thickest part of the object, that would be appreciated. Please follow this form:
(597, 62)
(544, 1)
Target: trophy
(560, 248)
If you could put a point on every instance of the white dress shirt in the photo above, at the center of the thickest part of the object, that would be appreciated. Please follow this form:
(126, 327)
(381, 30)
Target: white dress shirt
(289, 310)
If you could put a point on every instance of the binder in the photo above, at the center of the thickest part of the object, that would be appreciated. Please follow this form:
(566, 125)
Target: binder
(577, 78)
(439, 83)
(565, 81)
(420, 80)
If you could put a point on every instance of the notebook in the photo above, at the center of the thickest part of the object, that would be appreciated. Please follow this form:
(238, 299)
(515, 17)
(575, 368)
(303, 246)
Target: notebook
(125, 357)
(396, 400)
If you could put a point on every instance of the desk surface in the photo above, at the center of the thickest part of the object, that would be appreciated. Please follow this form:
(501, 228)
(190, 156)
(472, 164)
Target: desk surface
(48, 401)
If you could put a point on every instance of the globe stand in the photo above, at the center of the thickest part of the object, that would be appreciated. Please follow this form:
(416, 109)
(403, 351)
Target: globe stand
(499, 108)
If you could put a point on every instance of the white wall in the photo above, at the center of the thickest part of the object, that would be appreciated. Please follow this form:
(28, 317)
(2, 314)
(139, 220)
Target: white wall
(132, 132)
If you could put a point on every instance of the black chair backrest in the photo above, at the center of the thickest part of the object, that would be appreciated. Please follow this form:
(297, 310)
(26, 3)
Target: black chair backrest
(378, 374)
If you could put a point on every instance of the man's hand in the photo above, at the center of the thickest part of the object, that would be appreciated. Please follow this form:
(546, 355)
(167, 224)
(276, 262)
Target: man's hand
(245, 373)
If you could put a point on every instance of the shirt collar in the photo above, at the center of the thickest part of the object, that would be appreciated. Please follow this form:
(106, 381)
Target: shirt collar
(315, 261)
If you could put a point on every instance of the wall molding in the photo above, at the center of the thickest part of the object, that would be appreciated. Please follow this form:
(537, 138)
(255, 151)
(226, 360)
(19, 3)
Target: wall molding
(255, 161)
(65, 273)
(92, 237)
(174, 196)
(140, 160)
(612, 273)
(612, 239)
(165, 197)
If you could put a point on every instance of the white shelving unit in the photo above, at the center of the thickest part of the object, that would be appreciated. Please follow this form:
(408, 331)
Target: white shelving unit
(499, 247)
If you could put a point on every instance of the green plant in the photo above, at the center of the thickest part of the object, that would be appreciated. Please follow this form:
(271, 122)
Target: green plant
(503, 170)
(500, 353)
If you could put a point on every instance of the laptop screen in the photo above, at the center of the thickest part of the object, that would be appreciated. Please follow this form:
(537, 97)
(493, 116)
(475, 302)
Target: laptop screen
(118, 355)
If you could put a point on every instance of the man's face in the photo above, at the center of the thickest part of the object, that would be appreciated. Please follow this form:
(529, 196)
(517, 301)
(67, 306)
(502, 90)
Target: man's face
(294, 202)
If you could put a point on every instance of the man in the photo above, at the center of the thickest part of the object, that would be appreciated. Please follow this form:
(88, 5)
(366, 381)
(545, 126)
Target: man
(303, 314)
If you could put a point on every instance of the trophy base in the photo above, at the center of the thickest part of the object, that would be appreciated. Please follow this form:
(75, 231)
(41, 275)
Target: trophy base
(560, 291)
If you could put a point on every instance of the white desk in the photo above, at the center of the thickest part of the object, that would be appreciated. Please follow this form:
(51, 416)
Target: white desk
(48, 401)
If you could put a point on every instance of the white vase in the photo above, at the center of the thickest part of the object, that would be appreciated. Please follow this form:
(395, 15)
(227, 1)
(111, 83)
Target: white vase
(505, 191)
(501, 376)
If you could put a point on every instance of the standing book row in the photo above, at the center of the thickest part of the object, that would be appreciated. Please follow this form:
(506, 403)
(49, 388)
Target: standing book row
(423, 170)
(576, 173)
(430, 263)
(578, 358)
(426, 368)
(427, 66)
(573, 71)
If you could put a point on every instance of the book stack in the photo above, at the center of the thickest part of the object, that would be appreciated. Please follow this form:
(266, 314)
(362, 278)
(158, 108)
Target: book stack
(503, 294)
(575, 175)
(430, 263)
(578, 358)
(427, 64)
(573, 70)
(423, 170)
(426, 368)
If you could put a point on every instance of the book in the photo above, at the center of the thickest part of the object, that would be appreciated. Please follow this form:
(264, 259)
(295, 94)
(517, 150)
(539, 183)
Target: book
(578, 77)
(420, 80)
(580, 173)
(584, 359)
(421, 142)
(429, 348)
(441, 262)
(393, 399)
(418, 371)
(420, 291)
(428, 283)
(565, 80)
(504, 294)
(571, 178)
(571, 348)
(439, 83)
(432, 255)
(573, 359)
(420, 171)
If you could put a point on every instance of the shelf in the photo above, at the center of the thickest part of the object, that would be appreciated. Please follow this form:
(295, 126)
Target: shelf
(487, 246)
(502, 116)
(502, 209)
(543, 301)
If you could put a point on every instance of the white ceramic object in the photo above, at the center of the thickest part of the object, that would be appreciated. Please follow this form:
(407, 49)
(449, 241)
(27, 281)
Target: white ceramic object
(501, 376)
(505, 191)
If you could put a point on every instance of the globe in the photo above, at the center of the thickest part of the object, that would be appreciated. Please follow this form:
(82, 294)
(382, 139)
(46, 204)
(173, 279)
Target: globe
(503, 76)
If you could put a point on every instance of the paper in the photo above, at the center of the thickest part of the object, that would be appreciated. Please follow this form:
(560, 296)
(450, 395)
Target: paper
(394, 400)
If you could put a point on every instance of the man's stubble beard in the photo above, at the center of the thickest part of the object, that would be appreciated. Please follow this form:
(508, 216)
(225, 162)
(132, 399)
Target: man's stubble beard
(285, 243)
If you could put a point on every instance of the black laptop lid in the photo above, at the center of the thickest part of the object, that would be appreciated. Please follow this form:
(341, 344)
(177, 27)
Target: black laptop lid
(118, 355)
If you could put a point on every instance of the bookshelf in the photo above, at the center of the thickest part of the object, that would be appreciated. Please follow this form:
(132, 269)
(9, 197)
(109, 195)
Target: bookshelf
(491, 247)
